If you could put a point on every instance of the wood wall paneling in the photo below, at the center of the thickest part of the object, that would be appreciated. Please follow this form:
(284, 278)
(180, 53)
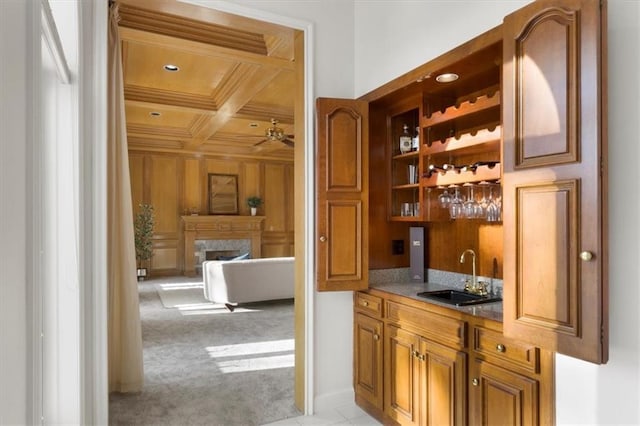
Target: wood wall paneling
(192, 186)
(164, 192)
(164, 189)
(274, 198)
(448, 240)
(136, 174)
(178, 183)
(250, 185)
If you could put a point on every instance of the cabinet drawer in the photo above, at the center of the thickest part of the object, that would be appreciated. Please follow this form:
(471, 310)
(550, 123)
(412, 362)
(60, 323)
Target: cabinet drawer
(368, 303)
(449, 331)
(493, 344)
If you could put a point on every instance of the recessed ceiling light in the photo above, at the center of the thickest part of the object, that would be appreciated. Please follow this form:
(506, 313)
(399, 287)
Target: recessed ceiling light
(447, 77)
(155, 114)
(171, 68)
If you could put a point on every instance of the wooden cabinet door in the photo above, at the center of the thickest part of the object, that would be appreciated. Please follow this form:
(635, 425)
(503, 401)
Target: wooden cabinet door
(342, 182)
(401, 402)
(501, 397)
(443, 376)
(367, 373)
(554, 155)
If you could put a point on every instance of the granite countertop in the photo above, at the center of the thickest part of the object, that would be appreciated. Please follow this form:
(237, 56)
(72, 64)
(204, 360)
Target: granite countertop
(492, 311)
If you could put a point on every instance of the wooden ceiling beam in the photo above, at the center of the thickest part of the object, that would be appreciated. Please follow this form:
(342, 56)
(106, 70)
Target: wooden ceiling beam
(206, 14)
(169, 106)
(254, 81)
(137, 144)
(169, 99)
(203, 49)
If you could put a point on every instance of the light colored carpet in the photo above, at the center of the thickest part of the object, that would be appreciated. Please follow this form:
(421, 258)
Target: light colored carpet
(207, 366)
(182, 295)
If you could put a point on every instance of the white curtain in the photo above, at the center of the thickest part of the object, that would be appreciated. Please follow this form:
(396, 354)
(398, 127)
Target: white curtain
(126, 372)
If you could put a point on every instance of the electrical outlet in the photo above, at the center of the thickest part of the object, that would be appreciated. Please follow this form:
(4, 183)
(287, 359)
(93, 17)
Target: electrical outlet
(397, 247)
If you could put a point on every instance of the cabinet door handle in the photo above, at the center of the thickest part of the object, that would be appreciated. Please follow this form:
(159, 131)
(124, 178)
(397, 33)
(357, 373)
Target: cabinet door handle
(323, 238)
(376, 337)
(475, 382)
(414, 354)
(586, 256)
(500, 347)
(422, 357)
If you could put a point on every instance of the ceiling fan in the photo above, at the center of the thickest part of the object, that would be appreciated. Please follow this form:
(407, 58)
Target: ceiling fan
(275, 133)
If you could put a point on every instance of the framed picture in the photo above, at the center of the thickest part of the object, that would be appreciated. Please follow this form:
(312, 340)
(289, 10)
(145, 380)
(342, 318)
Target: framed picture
(223, 194)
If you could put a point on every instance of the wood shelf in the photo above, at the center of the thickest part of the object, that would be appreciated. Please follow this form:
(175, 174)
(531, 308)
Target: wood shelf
(481, 103)
(407, 156)
(481, 141)
(406, 186)
(406, 218)
(453, 178)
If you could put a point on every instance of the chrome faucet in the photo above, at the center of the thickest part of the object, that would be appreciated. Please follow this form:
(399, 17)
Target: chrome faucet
(473, 286)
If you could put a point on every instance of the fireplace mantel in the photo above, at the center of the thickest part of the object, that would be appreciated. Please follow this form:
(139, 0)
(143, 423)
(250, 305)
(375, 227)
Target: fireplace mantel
(219, 228)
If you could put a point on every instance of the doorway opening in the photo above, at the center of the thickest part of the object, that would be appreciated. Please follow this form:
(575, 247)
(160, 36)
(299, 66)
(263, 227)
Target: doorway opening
(198, 156)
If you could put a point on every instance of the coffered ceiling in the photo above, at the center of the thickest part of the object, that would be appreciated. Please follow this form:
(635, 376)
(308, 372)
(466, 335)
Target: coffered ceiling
(235, 75)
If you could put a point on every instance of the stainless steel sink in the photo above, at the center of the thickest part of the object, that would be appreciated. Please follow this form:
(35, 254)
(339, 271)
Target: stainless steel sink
(457, 297)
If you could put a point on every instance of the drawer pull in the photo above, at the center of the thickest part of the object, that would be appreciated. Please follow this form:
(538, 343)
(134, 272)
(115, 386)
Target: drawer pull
(475, 382)
(500, 348)
(376, 337)
(365, 303)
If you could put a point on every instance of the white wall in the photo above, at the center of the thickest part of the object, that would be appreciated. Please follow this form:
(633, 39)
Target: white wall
(393, 37)
(586, 393)
(13, 213)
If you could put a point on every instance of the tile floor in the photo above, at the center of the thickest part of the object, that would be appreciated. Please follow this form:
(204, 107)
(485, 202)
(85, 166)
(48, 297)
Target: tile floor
(349, 414)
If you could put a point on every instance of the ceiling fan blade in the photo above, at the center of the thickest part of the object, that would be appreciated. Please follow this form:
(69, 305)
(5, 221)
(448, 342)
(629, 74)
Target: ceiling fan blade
(288, 142)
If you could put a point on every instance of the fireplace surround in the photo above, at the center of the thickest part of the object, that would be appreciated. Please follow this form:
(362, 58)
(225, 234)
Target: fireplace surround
(217, 228)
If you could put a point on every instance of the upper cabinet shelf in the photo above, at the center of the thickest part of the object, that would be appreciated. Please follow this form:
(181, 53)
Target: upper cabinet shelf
(468, 107)
(474, 141)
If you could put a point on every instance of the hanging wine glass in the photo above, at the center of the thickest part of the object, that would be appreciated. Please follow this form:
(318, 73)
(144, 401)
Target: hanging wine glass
(469, 206)
(481, 209)
(444, 199)
(455, 205)
(493, 210)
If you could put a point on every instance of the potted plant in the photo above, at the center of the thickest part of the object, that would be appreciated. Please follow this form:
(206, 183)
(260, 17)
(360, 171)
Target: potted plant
(143, 234)
(254, 202)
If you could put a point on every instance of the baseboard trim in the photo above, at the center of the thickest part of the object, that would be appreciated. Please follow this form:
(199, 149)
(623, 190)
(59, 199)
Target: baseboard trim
(332, 400)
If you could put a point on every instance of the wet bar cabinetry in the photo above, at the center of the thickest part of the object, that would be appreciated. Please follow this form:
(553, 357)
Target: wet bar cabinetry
(457, 124)
(529, 112)
(421, 364)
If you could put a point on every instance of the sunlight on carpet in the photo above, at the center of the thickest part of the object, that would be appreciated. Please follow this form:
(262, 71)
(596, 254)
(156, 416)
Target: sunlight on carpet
(242, 357)
(189, 299)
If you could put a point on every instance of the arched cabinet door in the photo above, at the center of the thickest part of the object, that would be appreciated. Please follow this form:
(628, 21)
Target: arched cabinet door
(342, 181)
(554, 155)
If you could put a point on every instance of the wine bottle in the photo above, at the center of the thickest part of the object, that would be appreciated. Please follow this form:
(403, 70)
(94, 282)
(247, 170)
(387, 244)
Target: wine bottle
(405, 140)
